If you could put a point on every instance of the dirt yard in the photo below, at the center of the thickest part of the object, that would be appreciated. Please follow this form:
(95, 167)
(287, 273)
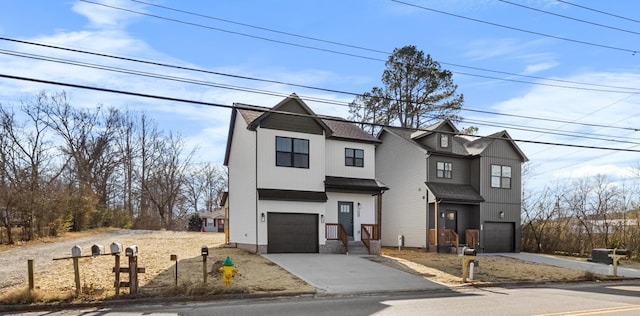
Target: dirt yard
(54, 279)
(254, 274)
(447, 268)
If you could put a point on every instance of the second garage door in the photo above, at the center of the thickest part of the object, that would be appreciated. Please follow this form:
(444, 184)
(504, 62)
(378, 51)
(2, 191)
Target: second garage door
(292, 232)
(499, 237)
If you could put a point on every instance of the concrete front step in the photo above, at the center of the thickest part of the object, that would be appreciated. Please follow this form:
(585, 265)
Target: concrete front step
(357, 248)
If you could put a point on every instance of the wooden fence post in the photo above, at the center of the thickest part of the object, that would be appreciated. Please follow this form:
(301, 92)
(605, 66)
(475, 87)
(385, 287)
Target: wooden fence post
(30, 273)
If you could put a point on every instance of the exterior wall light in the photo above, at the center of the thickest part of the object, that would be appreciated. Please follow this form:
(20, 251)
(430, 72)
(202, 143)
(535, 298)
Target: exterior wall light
(262, 217)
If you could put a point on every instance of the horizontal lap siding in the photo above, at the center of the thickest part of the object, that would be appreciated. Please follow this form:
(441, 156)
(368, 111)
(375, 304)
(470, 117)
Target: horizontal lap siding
(242, 185)
(402, 167)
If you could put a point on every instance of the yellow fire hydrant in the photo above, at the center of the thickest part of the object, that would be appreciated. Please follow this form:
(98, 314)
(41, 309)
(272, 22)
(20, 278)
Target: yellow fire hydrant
(227, 271)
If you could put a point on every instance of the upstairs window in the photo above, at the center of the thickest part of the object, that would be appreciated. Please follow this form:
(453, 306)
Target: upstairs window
(443, 169)
(444, 140)
(292, 152)
(353, 157)
(500, 177)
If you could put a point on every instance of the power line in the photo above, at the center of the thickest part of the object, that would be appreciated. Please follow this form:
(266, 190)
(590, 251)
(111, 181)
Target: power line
(569, 18)
(172, 99)
(272, 93)
(367, 49)
(262, 28)
(632, 51)
(599, 11)
(552, 120)
(233, 32)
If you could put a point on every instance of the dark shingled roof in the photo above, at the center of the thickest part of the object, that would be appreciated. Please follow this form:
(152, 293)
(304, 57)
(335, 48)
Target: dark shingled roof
(449, 192)
(291, 195)
(343, 129)
(340, 184)
(339, 128)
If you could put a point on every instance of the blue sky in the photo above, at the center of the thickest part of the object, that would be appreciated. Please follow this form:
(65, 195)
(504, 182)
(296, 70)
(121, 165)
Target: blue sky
(247, 38)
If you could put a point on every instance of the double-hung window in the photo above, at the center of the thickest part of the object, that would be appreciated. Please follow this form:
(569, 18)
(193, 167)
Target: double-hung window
(292, 152)
(500, 176)
(443, 169)
(353, 157)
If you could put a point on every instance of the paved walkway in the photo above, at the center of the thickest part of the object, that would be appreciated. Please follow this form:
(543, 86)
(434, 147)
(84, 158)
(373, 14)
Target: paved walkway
(598, 268)
(349, 274)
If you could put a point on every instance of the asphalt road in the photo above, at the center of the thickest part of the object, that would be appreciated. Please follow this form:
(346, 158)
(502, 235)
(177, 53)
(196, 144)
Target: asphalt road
(13, 263)
(621, 298)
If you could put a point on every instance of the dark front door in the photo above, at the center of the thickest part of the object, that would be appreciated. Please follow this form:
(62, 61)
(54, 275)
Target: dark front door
(345, 216)
(451, 220)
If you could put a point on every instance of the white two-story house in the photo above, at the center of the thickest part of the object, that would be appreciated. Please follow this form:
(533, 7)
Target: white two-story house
(299, 182)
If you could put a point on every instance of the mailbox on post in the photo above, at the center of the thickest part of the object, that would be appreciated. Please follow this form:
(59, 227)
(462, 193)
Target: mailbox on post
(469, 251)
(131, 251)
(76, 251)
(204, 251)
(116, 248)
(97, 250)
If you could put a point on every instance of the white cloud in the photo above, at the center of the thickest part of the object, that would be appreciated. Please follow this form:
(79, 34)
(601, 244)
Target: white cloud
(104, 17)
(535, 68)
(574, 105)
(487, 48)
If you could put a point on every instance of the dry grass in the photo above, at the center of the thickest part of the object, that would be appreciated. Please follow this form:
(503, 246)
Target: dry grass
(447, 268)
(254, 274)
(47, 240)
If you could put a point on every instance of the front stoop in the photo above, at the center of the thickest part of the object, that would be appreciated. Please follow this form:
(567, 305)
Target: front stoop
(357, 248)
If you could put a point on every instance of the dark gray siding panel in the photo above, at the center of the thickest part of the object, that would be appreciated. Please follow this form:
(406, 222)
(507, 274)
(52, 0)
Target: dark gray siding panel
(292, 123)
(292, 233)
(503, 149)
(490, 194)
(499, 237)
(459, 169)
(474, 174)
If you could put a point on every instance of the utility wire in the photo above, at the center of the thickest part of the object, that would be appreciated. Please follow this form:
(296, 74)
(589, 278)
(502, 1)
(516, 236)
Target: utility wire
(632, 51)
(272, 93)
(246, 89)
(553, 120)
(172, 99)
(233, 32)
(568, 17)
(359, 47)
(263, 28)
(599, 11)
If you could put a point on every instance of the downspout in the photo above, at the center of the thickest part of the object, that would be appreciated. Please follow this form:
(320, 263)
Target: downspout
(380, 215)
(435, 222)
(256, 189)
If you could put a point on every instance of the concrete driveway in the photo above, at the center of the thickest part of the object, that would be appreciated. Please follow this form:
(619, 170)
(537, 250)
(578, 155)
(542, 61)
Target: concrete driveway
(592, 267)
(349, 274)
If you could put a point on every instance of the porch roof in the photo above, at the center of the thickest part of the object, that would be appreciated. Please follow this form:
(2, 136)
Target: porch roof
(451, 192)
(355, 185)
(291, 195)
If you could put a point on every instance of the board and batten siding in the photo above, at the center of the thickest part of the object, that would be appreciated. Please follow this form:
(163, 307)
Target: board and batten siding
(402, 167)
(271, 176)
(366, 214)
(288, 207)
(242, 184)
(511, 195)
(335, 159)
(459, 169)
(497, 200)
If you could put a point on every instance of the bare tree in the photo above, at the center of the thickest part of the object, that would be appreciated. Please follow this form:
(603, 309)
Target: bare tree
(165, 177)
(87, 136)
